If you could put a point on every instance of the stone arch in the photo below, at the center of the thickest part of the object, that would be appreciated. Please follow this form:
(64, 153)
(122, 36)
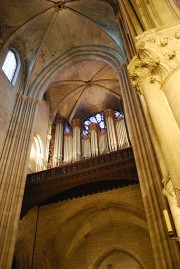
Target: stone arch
(116, 249)
(93, 221)
(100, 219)
(42, 263)
(21, 255)
(45, 78)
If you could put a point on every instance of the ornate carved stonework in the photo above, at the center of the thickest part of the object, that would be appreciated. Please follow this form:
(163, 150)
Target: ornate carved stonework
(158, 55)
(109, 113)
(76, 123)
(93, 126)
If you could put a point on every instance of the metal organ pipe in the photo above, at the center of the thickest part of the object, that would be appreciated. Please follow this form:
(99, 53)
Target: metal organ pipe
(121, 133)
(111, 131)
(76, 125)
(68, 148)
(86, 147)
(93, 127)
(58, 146)
(103, 143)
(97, 142)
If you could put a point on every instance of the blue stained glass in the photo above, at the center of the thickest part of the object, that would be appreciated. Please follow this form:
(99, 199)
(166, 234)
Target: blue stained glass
(93, 119)
(87, 122)
(67, 127)
(98, 117)
(102, 125)
(119, 115)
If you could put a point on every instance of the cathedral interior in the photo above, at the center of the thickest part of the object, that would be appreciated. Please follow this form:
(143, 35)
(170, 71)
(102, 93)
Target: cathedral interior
(89, 134)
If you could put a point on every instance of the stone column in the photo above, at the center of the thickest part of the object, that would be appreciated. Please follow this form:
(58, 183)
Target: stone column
(168, 189)
(13, 165)
(149, 70)
(165, 125)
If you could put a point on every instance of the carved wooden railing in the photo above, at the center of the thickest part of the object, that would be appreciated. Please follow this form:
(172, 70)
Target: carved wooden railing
(117, 165)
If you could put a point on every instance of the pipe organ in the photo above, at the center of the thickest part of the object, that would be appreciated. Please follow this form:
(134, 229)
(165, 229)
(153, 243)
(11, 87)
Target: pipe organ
(93, 128)
(111, 131)
(73, 146)
(58, 146)
(76, 140)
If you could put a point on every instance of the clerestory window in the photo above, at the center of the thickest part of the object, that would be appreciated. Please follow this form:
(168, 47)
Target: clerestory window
(10, 65)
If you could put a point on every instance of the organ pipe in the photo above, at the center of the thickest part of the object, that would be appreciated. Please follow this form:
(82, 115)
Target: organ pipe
(68, 148)
(103, 142)
(111, 131)
(71, 147)
(58, 145)
(122, 137)
(93, 127)
(86, 147)
(76, 125)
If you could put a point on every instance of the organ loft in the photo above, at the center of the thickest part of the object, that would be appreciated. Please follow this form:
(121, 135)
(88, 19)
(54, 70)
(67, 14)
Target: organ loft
(89, 134)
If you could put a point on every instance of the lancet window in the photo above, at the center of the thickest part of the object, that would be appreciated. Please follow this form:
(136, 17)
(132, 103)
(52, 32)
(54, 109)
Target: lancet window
(10, 65)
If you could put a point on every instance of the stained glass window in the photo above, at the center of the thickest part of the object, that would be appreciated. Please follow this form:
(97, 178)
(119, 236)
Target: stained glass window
(99, 119)
(10, 65)
(67, 127)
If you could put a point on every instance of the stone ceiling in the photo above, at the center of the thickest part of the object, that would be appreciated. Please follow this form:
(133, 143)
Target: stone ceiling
(44, 30)
(83, 89)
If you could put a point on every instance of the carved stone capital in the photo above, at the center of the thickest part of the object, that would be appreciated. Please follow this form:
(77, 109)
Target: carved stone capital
(158, 55)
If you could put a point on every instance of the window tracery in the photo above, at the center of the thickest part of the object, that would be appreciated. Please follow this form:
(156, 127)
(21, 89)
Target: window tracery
(99, 119)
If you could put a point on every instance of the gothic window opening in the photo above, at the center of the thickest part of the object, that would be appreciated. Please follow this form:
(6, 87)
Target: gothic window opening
(10, 65)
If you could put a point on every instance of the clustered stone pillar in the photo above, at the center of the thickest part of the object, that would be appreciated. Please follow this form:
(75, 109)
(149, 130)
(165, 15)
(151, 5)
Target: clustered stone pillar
(158, 56)
(13, 162)
(165, 125)
(59, 139)
(76, 149)
(111, 131)
(149, 177)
